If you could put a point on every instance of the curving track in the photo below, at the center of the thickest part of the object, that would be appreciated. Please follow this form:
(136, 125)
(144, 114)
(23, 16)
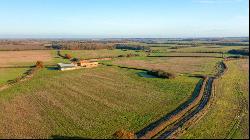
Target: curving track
(202, 104)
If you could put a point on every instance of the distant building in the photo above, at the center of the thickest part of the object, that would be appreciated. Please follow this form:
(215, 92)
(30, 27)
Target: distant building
(63, 66)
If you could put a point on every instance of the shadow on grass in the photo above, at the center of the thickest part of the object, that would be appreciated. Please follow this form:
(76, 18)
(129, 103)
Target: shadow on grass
(67, 137)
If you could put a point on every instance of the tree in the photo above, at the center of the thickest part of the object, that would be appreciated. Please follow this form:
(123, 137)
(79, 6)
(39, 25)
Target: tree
(68, 56)
(39, 64)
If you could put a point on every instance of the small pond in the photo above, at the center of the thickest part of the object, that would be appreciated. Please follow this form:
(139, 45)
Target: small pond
(145, 75)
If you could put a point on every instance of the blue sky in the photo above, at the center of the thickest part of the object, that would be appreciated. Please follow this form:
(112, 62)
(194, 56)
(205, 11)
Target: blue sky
(124, 18)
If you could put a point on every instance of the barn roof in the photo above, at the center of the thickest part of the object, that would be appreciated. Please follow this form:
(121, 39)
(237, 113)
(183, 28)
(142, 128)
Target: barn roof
(63, 65)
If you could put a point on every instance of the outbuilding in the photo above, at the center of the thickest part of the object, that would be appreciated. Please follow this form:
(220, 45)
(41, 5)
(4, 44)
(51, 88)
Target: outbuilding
(63, 66)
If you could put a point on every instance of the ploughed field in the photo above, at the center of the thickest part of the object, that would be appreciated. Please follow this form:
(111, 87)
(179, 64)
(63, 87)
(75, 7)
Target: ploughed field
(91, 103)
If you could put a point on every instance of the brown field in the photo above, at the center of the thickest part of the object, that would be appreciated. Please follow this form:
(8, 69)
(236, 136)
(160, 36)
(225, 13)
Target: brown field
(9, 58)
(18, 45)
(173, 64)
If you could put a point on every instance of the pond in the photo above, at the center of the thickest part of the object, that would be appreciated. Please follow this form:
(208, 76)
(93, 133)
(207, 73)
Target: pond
(145, 75)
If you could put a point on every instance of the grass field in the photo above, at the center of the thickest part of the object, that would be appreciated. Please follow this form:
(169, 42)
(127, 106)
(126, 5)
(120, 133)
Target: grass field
(177, 65)
(7, 74)
(228, 116)
(88, 102)
(195, 51)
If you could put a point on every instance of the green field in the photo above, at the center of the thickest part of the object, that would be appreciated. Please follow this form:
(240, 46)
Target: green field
(228, 116)
(195, 51)
(7, 74)
(88, 102)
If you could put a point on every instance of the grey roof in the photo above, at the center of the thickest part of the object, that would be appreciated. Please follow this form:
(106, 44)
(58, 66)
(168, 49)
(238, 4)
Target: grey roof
(63, 65)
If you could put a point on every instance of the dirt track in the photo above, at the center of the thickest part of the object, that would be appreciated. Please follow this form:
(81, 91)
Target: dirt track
(203, 103)
(155, 127)
(199, 108)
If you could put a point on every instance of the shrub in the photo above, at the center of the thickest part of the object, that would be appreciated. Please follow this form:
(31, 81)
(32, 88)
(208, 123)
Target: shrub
(121, 55)
(39, 64)
(131, 47)
(161, 74)
(122, 134)
(131, 55)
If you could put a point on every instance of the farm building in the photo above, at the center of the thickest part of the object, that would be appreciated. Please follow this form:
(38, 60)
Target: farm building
(63, 66)
(77, 65)
(87, 64)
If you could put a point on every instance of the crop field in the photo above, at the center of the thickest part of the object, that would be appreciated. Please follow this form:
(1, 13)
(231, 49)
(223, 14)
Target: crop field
(228, 116)
(67, 104)
(189, 65)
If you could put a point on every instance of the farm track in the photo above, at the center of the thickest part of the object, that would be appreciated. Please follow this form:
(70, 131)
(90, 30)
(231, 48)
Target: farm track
(157, 126)
(199, 108)
(186, 118)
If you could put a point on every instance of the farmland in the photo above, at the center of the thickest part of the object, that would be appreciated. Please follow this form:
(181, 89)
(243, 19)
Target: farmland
(72, 110)
(97, 102)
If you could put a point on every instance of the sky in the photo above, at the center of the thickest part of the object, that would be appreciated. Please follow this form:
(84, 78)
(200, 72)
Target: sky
(124, 18)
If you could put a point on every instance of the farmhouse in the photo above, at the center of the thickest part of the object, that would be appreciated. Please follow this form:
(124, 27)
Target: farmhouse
(63, 66)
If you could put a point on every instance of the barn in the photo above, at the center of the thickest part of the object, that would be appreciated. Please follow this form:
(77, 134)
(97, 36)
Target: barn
(63, 66)
(87, 64)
